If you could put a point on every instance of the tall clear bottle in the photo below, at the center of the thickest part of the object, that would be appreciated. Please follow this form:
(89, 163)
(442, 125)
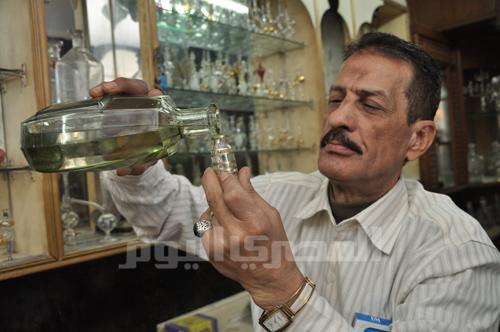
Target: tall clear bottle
(54, 52)
(77, 71)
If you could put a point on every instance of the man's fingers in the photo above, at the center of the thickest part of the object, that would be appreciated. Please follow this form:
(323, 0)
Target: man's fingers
(208, 215)
(123, 171)
(244, 176)
(120, 85)
(97, 91)
(215, 196)
(239, 200)
(135, 169)
(154, 93)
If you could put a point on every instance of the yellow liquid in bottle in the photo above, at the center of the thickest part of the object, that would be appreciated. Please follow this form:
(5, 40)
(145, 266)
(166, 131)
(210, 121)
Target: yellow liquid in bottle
(90, 150)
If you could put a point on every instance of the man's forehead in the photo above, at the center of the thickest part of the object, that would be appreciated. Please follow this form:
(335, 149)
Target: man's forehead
(367, 91)
(373, 73)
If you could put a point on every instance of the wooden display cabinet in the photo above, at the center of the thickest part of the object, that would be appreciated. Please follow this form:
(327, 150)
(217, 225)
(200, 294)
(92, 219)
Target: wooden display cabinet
(463, 36)
(35, 199)
(32, 199)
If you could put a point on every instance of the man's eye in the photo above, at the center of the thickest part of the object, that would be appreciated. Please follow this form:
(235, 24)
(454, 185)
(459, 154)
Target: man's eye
(371, 107)
(334, 102)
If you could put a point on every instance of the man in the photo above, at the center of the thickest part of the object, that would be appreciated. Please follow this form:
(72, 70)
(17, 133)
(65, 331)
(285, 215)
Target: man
(379, 251)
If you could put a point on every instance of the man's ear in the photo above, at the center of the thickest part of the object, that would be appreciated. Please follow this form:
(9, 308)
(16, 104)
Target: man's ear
(422, 136)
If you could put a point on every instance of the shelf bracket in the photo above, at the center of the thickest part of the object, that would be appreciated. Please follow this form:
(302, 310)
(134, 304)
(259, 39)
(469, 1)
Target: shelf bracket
(10, 74)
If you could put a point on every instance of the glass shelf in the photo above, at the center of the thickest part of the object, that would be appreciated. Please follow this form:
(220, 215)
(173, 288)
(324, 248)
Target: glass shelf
(276, 150)
(200, 32)
(189, 98)
(19, 259)
(14, 168)
(87, 240)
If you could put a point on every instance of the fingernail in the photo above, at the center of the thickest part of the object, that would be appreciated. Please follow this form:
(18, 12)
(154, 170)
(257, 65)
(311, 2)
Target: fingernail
(94, 89)
(110, 85)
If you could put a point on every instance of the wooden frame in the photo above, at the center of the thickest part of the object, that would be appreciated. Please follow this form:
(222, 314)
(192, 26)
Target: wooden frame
(50, 185)
(146, 11)
(438, 48)
(440, 32)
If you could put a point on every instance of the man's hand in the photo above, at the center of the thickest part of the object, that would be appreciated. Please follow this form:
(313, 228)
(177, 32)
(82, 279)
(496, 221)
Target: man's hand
(248, 242)
(130, 87)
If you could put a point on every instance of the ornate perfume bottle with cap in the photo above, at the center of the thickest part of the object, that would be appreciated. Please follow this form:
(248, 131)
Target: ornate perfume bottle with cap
(117, 131)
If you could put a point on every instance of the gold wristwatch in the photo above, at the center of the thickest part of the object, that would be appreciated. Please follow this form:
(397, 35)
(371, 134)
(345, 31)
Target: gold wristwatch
(280, 317)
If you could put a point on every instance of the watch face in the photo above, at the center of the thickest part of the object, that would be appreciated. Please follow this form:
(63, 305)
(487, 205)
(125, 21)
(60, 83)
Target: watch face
(277, 320)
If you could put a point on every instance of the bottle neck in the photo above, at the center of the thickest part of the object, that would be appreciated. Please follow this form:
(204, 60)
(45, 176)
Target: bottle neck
(197, 121)
(77, 39)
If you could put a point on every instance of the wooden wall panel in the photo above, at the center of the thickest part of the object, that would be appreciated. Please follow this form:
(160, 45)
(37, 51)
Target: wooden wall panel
(456, 109)
(443, 15)
(20, 102)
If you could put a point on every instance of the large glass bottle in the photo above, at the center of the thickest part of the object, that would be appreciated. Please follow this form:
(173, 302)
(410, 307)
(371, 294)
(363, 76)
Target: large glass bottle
(112, 132)
(77, 72)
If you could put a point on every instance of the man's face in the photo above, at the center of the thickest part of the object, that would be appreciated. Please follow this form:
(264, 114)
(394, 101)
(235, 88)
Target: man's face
(367, 111)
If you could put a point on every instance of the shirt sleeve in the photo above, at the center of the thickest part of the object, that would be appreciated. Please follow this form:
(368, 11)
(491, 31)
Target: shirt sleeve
(459, 290)
(162, 207)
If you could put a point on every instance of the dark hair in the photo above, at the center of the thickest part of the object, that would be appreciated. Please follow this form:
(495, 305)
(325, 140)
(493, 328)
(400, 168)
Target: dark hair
(424, 91)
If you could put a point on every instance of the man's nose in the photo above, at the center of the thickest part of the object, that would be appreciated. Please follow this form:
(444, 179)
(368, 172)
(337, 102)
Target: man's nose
(344, 115)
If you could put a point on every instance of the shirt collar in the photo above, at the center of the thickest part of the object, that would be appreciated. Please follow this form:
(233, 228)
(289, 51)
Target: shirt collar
(318, 203)
(381, 221)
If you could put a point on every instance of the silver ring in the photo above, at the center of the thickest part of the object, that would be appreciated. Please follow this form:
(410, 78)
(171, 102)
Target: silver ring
(201, 226)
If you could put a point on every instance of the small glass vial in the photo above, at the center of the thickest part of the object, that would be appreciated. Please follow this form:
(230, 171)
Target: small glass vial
(222, 156)
(7, 235)
(475, 164)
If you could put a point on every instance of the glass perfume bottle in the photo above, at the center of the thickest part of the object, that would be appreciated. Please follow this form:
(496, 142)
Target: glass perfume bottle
(107, 222)
(77, 71)
(222, 156)
(54, 52)
(475, 164)
(485, 213)
(253, 134)
(112, 132)
(69, 217)
(240, 136)
(7, 235)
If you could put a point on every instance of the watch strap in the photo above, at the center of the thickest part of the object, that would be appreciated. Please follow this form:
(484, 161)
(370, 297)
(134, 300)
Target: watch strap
(288, 311)
(303, 297)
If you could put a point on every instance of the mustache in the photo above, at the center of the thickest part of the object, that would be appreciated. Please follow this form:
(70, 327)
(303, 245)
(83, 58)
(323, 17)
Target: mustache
(339, 134)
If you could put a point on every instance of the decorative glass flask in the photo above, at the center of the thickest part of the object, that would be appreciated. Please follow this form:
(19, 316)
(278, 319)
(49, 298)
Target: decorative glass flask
(112, 132)
(77, 71)
(475, 164)
(7, 235)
